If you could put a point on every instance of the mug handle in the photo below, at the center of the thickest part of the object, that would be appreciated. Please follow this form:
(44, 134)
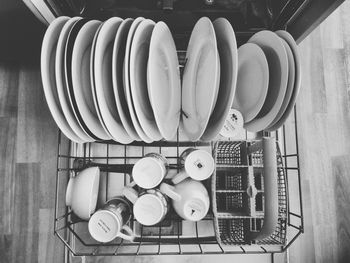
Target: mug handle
(130, 194)
(170, 191)
(129, 233)
(182, 175)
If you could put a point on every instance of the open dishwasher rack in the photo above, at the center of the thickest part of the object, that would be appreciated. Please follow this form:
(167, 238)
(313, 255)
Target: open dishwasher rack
(172, 236)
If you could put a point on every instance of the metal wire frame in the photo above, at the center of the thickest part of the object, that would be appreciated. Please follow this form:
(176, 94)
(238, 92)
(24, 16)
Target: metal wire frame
(64, 224)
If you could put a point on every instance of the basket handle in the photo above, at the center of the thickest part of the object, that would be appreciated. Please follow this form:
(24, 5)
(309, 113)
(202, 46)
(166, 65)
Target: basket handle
(271, 189)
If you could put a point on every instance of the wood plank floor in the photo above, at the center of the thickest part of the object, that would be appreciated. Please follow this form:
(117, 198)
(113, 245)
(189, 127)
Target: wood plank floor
(28, 139)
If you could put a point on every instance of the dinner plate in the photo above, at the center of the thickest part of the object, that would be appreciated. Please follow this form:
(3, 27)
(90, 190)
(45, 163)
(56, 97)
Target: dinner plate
(290, 84)
(297, 83)
(163, 78)
(277, 60)
(127, 81)
(200, 79)
(118, 57)
(92, 78)
(82, 90)
(227, 47)
(252, 81)
(103, 87)
(47, 63)
(61, 82)
(68, 74)
(138, 79)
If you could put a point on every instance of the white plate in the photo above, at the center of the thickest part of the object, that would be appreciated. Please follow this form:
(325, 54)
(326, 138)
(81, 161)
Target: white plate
(252, 81)
(118, 57)
(127, 81)
(81, 59)
(200, 79)
(227, 47)
(290, 84)
(73, 32)
(61, 82)
(138, 79)
(291, 42)
(163, 78)
(277, 60)
(92, 78)
(47, 63)
(103, 80)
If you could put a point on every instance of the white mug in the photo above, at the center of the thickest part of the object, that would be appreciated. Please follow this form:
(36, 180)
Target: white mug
(107, 223)
(150, 206)
(190, 199)
(198, 164)
(150, 171)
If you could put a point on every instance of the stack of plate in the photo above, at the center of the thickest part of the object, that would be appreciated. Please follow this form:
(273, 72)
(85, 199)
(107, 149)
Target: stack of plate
(119, 79)
(268, 80)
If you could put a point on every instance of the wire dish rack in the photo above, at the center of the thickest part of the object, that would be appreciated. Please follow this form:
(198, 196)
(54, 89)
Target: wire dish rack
(174, 236)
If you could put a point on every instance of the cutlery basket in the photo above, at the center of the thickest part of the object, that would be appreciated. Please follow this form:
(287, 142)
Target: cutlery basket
(234, 215)
(238, 193)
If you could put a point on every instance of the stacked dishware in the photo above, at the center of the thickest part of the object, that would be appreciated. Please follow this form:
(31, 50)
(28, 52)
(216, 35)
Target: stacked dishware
(269, 78)
(120, 80)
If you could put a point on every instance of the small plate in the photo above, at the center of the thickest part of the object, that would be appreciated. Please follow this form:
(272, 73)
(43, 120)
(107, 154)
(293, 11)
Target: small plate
(61, 82)
(118, 57)
(227, 47)
(48, 75)
(277, 60)
(163, 78)
(252, 81)
(103, 84)
(81, 79)
(138, 79)
(200, 79)
(127, 81)
(297, 83)
(290, 84)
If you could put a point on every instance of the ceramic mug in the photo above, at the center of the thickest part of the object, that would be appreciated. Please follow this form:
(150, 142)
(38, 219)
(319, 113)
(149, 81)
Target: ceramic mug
(150, 171)
(190, 199)
(197, 164)
(150, 206)
(108, 223)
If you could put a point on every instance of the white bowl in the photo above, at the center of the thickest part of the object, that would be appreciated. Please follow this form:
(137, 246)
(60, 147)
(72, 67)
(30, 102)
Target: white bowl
(82, 192)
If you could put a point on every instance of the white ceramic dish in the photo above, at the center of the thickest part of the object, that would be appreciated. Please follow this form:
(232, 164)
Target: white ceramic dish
(118, 57)
(200, 79)
(252, 81)
(277, 60)
(163, 78)
(290, 84)
(227, 47)
(138, 79)
(297, 83)
(127, 80)
(82, 192)
(103, 87)
(81, 79)
(48, 75)
(61, 82)
(69, 78)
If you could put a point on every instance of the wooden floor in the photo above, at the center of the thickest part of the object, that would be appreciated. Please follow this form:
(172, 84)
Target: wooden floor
(28, 138)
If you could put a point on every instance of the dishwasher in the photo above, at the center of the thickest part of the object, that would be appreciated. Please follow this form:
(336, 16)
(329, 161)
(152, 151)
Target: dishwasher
(239, 161)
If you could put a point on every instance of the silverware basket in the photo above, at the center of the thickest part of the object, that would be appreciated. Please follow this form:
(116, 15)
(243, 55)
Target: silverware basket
(238, 192)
